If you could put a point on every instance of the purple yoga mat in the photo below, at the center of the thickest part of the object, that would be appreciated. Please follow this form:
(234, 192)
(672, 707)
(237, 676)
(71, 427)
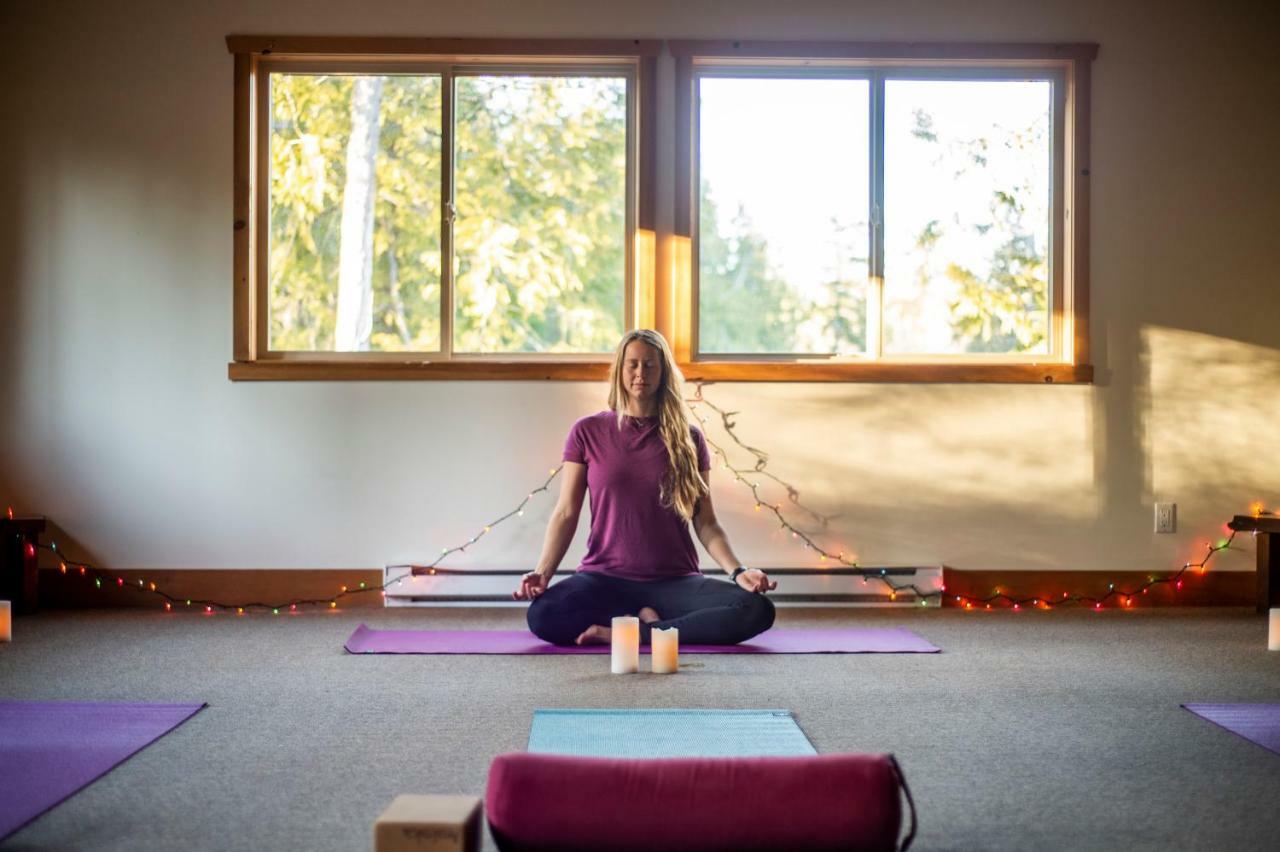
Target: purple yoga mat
(1257, 723)
(50, 749)
(833, 640)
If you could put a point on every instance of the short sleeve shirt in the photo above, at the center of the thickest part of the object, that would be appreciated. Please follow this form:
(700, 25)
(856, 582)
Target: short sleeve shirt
(632, 535)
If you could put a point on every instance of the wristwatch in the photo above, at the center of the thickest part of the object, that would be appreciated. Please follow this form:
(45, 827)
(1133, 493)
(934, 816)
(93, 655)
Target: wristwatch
(733, 578)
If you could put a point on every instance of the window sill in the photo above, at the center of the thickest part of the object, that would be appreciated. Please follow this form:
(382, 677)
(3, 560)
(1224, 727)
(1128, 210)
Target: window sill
(331, 371)
(740, 371)
(766, 371)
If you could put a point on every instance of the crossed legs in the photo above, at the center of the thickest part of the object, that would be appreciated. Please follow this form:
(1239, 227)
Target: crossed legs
(706, 611)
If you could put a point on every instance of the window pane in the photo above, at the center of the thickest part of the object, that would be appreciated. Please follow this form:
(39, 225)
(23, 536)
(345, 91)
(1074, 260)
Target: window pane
(967, 214)
(782, 224)
(540, 188)
(354, 255)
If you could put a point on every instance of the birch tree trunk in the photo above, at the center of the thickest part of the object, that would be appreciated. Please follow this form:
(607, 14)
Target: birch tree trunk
(355, 254)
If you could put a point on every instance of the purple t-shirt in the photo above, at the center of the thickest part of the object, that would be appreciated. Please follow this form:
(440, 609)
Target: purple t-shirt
(632, 535)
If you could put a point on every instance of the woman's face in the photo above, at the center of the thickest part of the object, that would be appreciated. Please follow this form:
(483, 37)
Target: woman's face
(641, 370)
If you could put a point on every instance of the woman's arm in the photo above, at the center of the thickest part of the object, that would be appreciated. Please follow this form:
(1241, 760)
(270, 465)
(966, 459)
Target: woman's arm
(560, 530)
(716, 542)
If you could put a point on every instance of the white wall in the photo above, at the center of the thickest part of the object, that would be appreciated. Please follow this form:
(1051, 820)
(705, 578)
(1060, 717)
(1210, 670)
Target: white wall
(117, 419)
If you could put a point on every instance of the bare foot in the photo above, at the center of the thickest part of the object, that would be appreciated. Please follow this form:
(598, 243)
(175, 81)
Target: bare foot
(649, 615)
(595, 635)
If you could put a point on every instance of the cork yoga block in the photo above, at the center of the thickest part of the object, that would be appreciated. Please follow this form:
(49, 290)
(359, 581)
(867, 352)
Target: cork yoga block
(414, 823)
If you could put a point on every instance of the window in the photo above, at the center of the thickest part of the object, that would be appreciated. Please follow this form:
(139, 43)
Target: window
(464, 206)
(884, 212)
(485, 209)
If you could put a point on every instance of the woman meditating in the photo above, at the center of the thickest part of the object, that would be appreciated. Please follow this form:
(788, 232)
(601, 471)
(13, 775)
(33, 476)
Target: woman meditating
(648, 471)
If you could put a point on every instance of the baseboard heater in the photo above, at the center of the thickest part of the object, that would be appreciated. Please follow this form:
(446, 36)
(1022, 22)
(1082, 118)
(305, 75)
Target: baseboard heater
(419, 585)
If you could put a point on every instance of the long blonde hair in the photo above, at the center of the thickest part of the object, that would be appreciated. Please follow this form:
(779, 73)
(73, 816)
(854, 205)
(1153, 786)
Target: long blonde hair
(682, 485)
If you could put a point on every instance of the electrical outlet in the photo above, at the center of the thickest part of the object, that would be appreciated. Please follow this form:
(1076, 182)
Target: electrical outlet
(1166, 517)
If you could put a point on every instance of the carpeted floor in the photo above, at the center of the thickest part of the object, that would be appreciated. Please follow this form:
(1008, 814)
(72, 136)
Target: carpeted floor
(1031, 730)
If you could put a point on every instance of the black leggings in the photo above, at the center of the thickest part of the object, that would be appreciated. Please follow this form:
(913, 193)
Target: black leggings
(706, 611)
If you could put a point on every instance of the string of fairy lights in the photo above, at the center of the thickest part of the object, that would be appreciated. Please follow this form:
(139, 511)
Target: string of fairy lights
(744, 476)
(209, 607)
(923, 595)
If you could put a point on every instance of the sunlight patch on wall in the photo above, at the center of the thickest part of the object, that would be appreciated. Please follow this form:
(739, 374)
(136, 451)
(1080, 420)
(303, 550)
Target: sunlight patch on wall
(978, 476)
(1212, 420)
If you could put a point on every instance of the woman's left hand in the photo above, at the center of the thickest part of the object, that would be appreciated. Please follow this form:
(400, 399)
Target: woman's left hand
(755, 580)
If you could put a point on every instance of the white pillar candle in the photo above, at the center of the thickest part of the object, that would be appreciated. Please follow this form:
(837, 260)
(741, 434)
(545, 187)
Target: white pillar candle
(666, 650)
(626, 644)
(6, 626)
(1273, 631)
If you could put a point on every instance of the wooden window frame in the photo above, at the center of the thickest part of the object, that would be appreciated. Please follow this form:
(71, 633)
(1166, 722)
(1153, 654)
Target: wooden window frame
(1067, 64)
(660, 270)
(255, 57)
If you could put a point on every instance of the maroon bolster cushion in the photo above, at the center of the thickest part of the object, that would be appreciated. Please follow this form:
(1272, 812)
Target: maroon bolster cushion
(538, 802)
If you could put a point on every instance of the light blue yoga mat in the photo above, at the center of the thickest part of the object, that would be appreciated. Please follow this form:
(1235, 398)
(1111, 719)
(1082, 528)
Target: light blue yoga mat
(668, 733)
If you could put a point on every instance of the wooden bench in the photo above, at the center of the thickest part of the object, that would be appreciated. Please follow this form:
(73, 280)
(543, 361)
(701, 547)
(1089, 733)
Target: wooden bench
(1265, 530)
(19, 560)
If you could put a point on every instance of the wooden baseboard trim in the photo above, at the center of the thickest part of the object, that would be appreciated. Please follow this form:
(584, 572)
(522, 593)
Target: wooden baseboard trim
(233, 587)
(1212, 588)
(273, 587)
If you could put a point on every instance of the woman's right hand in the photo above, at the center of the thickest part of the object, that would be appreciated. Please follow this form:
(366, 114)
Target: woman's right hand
(531, 585)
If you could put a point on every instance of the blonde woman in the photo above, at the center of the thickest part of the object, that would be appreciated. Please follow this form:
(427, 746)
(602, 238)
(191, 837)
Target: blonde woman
(648, 471)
